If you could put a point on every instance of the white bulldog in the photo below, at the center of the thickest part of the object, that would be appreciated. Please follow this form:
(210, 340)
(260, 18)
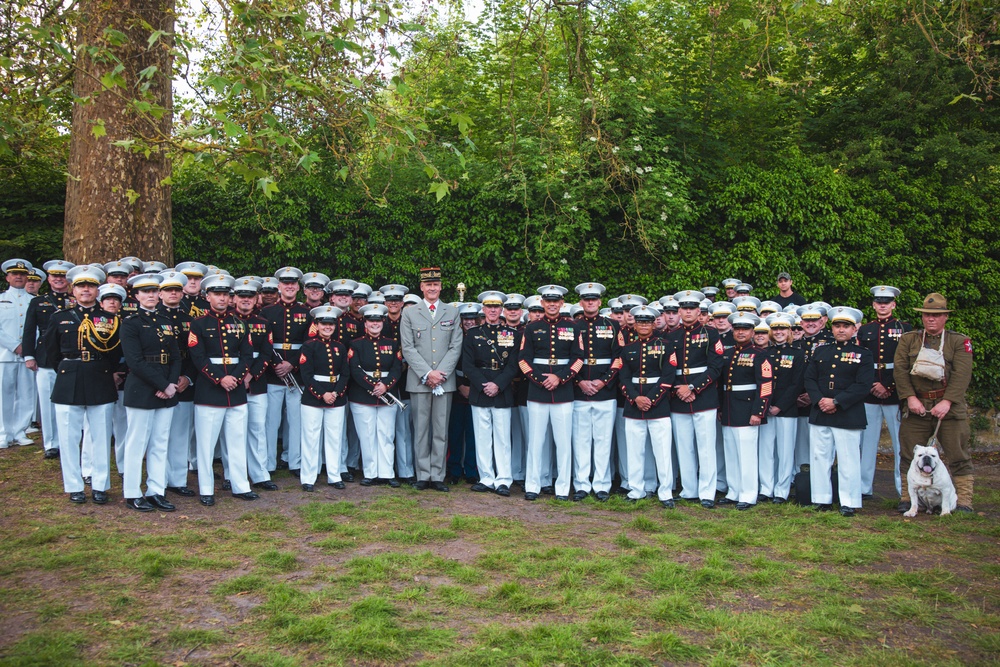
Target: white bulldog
(929, 482)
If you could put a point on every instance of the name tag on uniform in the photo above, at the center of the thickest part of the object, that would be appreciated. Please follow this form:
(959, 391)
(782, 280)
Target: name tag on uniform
(564, 333)
(604, 331)
(850, 357)
(505, 339)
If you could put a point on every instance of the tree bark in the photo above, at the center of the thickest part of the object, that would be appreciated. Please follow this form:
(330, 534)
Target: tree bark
(118, 199)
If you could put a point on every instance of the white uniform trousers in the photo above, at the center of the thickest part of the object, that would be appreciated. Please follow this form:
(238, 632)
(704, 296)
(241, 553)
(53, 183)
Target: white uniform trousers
(802, 448)
(541, 418)
(593, 427)
(209, 423)
(404, 441)
(70, 424)
(492, 429)
(17, 400)
(147, 437)
(119, 427)
(518, 440)
(655, 434)
(257, 438)
(846, 444)
(375, 425)
(179, 443)
(279, 396)
(869, 443)
(45, 380)
(322, 433)
(695, 438)
(775, 455)
(740, 445)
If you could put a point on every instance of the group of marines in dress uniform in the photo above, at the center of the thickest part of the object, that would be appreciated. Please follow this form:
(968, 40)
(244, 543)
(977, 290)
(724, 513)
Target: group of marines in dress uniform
(692, 397)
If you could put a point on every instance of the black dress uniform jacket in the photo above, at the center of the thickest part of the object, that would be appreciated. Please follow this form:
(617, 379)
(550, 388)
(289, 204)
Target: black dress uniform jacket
(844, 372)
(788, 364)
(213, 338)
(83, 344)
(289, 324)
(324, 358)
(195, 306)
(601, 341)
(556, 347)
(521, 383)
(351, 328)
(698, 347)
(181, 322)
(808, 345)
(746, 384)
(261, 345)
(383, 358)
(153, 358)
(489, 354)
(653, 362)
(36, 322)
(881, 337)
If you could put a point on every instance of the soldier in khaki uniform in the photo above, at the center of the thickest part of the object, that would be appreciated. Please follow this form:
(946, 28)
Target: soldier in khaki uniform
(925, 401)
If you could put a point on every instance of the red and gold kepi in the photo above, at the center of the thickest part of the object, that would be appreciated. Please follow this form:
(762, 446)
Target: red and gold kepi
(430, 274)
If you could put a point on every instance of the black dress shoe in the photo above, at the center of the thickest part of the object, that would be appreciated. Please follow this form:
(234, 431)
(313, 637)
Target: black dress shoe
(439, 486)
(725, 501)
(630, 499)
(394, 483)
(549, 490)
(181, 491)
(668, 503)
(530, 495)
(282, 465)
(139, 505)
(761, 498)
(867, 496)
(503, 490)
(249, 495)
(903, 506)
(579, 495)
(451, 479)
(742, 507)
(86, 481)
(708, 504)
(207, 501)
(824, 507)
(308, 487)
(478, 487)
(338, 485)
(227, 485)
(100, 497)
(266, 485)
(778, 500)
(421, 485)
(52, 453)
(78, 497)
(159, 502)
(602, 496)
(690, 500)
(566, 498)
(846, 511)
(294, 472)
(347, 476)
(367, 482)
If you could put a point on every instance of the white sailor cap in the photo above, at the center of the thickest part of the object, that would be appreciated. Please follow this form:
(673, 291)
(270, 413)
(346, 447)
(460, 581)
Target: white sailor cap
(514, 301)
(722, 309)
(616, 305)
(730, 283)
(845, 314)
(604, 312)
(145, 281)
(824, 305)
(590, 290)
(551, 292)
(122, 267)
(269, 284)
(575, 310)
(374, 311)
(288, 274)
(393, 292)
(533, 302)
(643, 313)
(314, 279)
(748, 303)
(172, 280)
(108, 290)
(705, 305)
(743, 320)
(762, 327)
(376, 297)
(743, 288)
(709, 291)
(246, 286)
(85, 275)
(781, 321)
(192, 269)
(811, 311)
(689, 298)
(218, 282)
(768, 307)
(17, 266)
(492, 298)
(669, 303)
(630, 301)
(153, 267)
(565, 309)
(57, 267)
(362, 291)
(326, 314)
(469, 310)
(790, 309)
(657, 306)
(36, 274)
(341, 286)
(884, 293)
(410, 299)
(136, 263)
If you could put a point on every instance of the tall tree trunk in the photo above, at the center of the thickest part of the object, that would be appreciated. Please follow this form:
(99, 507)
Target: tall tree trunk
(118, 198)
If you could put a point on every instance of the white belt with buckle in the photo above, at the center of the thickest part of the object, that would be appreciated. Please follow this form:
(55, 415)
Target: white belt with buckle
(651, 380)
(375, 374)
(598, 362)
(692, 371)
(223, 360)
(742, 387)
(552, 362)
(888, 367)
(287, 346)
(326, 378)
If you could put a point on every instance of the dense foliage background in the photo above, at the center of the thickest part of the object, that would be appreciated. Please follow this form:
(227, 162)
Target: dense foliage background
(652, 146)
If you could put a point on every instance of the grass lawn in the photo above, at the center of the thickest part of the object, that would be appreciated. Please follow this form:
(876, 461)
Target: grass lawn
(392, 576)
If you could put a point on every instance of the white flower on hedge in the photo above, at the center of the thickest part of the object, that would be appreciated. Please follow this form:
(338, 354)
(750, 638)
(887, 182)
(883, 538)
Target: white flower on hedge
(563, 261)
(666, 149)
(566, 195)
(592, 138)
(669, 193)
(637, 148)
(663, 217)
(647, 110)
(614, 149)
(574, 209)
(674, 246)
(631, 79)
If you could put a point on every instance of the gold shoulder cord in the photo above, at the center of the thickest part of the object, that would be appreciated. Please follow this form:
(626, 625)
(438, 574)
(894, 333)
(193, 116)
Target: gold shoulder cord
(87, 331)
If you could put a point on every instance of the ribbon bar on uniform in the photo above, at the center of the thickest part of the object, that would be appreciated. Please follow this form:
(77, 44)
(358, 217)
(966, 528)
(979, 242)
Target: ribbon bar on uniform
(692, 371)
(551, 361)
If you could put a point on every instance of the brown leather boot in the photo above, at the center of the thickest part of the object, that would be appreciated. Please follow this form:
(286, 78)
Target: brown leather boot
(963, 488)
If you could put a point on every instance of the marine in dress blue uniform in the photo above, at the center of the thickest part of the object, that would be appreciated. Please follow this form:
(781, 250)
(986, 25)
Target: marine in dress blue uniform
(812, 318)
(776, 448)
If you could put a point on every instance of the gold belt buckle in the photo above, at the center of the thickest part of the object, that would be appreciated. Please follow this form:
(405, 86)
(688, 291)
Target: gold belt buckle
(163, 358)
(377, 375)
(831, 385)
(84, 355)
(685, 372)
(591, 362)
(552, 361)
(643, 381)
(286, 346)
(494, 365)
